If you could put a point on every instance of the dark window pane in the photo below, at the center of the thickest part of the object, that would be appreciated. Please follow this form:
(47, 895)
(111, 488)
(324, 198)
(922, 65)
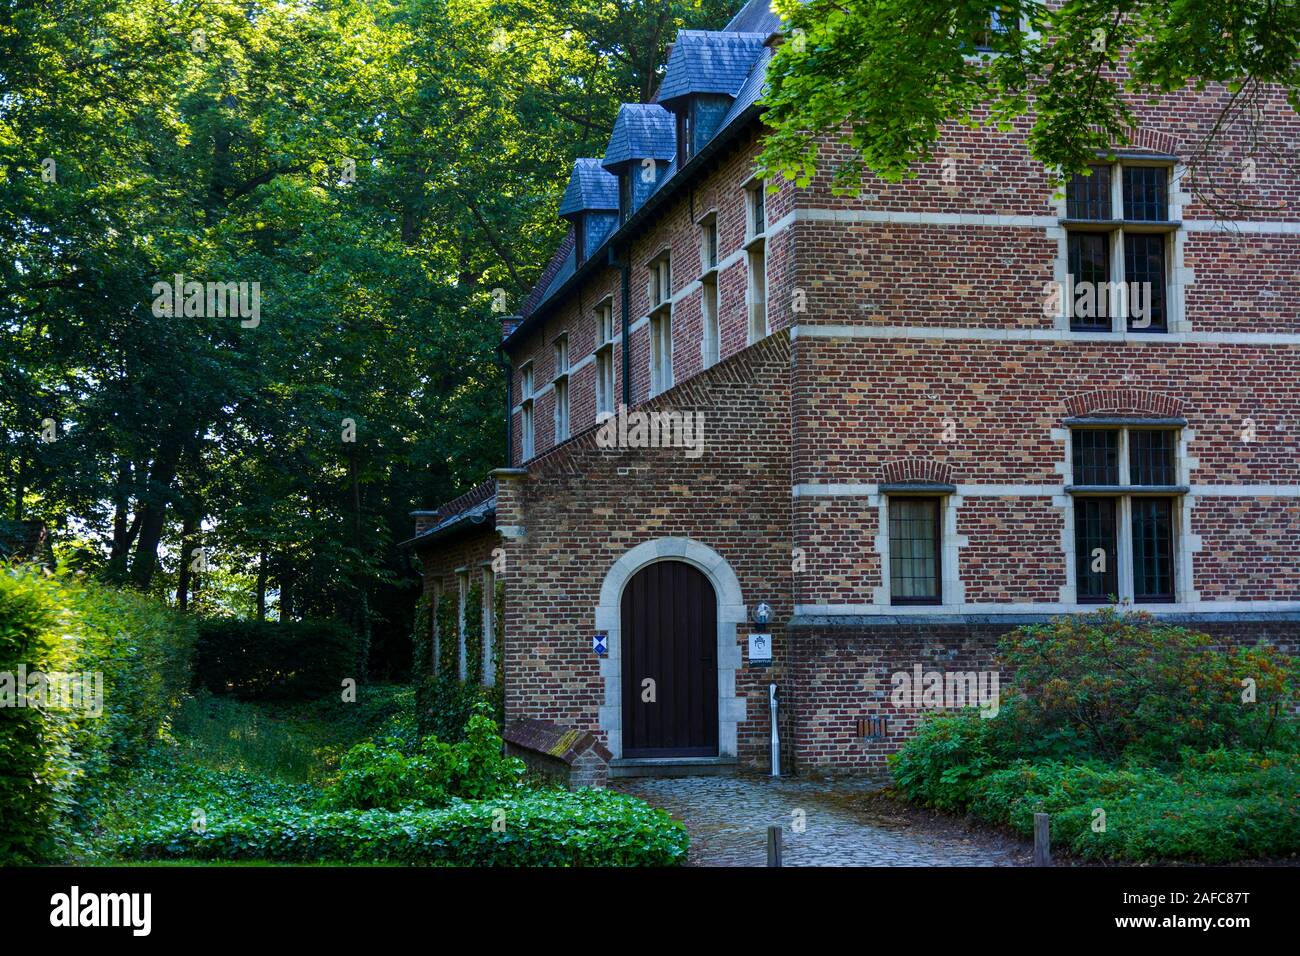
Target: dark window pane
(1153, 549)
(1144, 270)
(625, 196)
(1151, 457)
(914, 550)
(1146, 193)
(1096, 456)
(1094, 549)
(1088, 197)
(1090, 272)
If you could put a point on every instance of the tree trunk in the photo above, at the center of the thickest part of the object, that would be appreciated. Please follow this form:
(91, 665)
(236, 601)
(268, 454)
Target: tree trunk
(261, 584)
(187, 556)
(153, 513)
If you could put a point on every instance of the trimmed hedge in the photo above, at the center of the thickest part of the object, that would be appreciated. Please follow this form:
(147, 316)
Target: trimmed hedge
(55, 760)
(264, 660)
(545, 828)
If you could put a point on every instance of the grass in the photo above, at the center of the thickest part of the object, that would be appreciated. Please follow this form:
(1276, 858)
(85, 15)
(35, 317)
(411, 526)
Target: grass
(290, 743)
(229, 756)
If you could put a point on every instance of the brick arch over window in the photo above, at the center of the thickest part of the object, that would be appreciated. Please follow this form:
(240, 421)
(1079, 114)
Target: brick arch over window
(924, 471)
(1154, 140)
(731, 612)
(1130, 401)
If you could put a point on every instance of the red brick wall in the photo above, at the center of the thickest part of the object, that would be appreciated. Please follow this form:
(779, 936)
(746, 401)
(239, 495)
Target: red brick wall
(584, 507)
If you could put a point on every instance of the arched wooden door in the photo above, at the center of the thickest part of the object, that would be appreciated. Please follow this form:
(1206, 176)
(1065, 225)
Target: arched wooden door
(670, 637)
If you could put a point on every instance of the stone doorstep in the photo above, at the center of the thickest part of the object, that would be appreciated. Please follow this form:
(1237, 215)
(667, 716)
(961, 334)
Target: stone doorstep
(672, 767)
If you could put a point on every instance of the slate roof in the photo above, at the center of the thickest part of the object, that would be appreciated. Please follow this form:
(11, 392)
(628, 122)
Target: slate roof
(755, 86)
(709, 62)
(756, 16)
(472, 509)
(590, 187)
(562, 264)
(731, 61)
(642, 131)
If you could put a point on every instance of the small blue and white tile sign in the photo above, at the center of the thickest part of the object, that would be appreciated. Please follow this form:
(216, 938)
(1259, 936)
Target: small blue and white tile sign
(760, 648)
(600, 643)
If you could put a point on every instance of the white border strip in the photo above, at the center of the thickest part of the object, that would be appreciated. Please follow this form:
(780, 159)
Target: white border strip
(953, 333)
(829, 490)
(924, 610)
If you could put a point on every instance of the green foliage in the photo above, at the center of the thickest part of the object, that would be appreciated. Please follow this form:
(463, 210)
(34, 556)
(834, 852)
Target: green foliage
(1141, 720)
(448, 636)
(551, 828)
(57, 759)
(888, 75)
(1114, 684)
(257, 660)
(1243, 809)
(474, 634)
(387, 778)
(422, 637)
(444, 705)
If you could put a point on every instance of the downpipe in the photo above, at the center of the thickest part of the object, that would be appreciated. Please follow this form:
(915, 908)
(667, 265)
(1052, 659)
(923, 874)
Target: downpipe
(773, 702)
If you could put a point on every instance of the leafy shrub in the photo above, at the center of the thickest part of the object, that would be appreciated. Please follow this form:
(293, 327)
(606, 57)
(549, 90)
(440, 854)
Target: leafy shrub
(38, 764)
(552, 828)
(383, 777)
(1143, 721)
(55, 760)
(444, 705)
(1110, 684)
(1243, 808)
(263, 660)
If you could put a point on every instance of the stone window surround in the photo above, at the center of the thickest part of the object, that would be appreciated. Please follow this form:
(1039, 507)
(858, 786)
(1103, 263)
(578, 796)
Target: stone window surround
(951, 589)
(1186, 544)
(731, 612)
(1180, 276)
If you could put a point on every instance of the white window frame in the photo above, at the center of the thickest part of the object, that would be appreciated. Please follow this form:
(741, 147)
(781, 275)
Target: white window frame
(605, 358)
(1116, 227)
(527, 431)
(710, 327)
(661, 324)
(561, 387)
(758, 327)
(1123, 495)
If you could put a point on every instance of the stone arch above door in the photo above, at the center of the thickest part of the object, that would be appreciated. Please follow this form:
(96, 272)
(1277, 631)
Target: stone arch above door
(731, 612)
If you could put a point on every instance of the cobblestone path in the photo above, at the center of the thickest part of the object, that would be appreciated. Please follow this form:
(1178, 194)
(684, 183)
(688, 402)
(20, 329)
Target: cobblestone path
(728, 817)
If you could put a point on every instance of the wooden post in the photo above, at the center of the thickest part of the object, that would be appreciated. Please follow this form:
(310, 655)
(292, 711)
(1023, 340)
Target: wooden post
(773, 846)
(1042, 840)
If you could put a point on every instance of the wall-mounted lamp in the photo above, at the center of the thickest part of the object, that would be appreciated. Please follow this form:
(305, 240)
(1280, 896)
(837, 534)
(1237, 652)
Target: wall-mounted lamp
(762, 614)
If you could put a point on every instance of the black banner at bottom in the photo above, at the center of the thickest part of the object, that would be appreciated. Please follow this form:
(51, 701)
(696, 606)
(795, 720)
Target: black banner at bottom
(335, 904)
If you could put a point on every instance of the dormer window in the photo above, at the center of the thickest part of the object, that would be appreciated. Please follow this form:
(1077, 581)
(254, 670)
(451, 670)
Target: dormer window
(590, 204)
(625, 195)
(640, 148)
(685, 134)
(580, 239)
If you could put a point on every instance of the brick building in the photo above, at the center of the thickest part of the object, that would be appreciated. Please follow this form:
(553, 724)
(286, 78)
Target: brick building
(901, 420)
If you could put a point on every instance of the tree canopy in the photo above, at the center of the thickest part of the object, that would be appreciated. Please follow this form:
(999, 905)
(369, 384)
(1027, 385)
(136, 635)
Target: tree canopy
(889, 74)
(376, 168)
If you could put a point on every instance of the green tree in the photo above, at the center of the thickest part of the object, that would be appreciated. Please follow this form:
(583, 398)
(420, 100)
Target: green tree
(888, 75)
